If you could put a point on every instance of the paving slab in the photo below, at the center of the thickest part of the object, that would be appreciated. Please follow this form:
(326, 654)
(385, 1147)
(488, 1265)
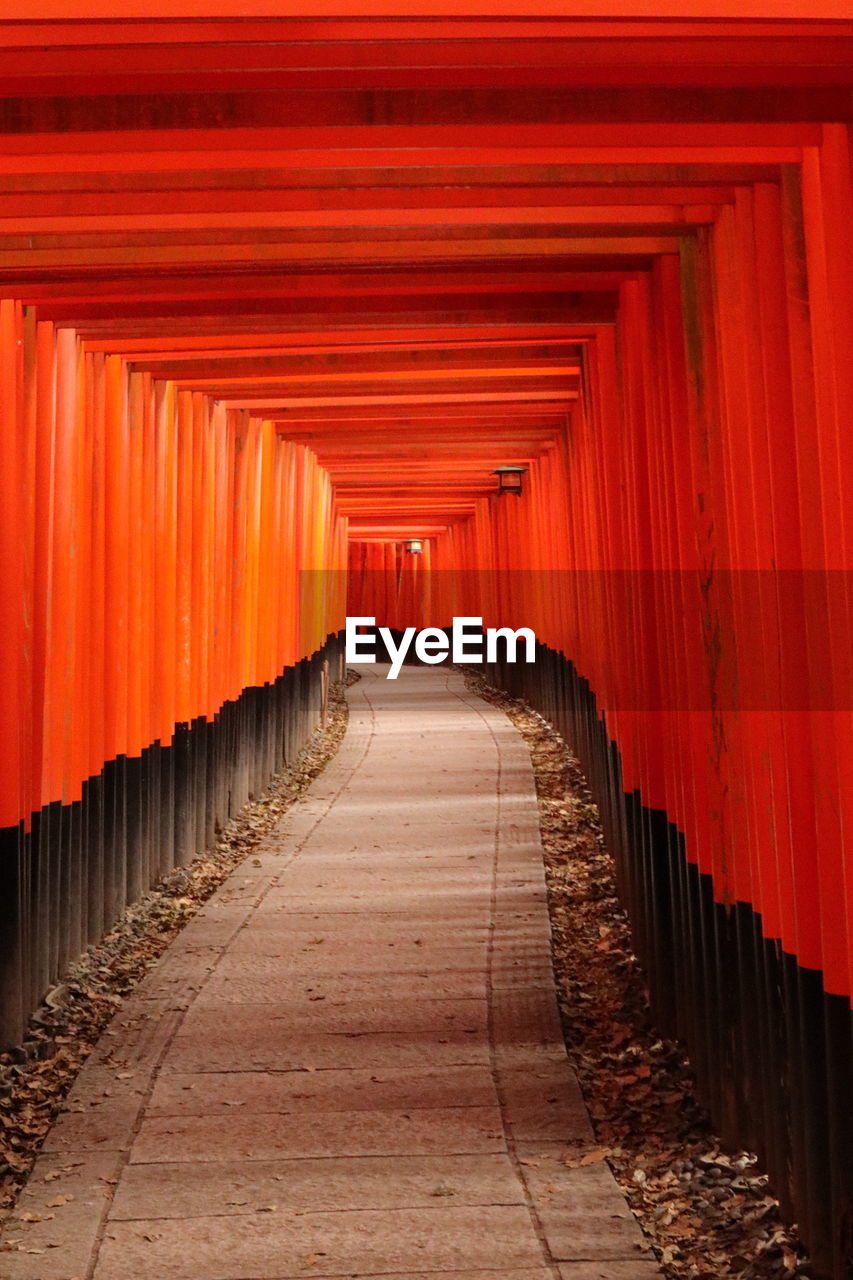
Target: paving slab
(107, 1123)
(570, 1202)
(180, 973)
(581, 1211)
(276, 1243)
(235, 1187)
(214, 1045)
(139, 1034)
(544, 1103)
(48, 1240)
(318, 1011)
(355, 944)
(265, 979)
(290, 1135)
(350, 1062)
(386, 1089)
(393, 896)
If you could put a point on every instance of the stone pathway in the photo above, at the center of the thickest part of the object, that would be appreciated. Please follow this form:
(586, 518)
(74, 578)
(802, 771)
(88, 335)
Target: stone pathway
(350, 1062)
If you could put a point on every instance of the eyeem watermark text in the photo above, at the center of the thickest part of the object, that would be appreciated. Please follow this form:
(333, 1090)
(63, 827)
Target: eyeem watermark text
(432, 645)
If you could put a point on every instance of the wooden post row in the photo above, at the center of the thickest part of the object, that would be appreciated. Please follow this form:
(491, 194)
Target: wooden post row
(153, 549)
(684, 554)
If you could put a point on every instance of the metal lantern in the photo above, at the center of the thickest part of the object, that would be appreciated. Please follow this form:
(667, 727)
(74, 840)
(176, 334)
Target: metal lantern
(509, 479)
(414, 546)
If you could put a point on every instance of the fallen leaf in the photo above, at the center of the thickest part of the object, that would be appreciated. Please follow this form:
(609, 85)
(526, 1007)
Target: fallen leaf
(594, 1157)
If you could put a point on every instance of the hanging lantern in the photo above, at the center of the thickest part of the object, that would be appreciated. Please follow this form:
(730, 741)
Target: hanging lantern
(509, 479)
(414, 546)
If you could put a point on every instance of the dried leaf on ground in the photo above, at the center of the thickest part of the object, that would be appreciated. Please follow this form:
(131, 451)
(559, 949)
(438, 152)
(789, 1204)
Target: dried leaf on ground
(36, 1076)
(708, 1213)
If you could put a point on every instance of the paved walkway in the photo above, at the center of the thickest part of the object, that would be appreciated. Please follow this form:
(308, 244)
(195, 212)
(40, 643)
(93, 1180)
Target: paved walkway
(350, 1062)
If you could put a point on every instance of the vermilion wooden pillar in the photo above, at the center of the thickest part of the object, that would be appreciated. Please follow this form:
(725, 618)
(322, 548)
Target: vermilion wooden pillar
(278, 284)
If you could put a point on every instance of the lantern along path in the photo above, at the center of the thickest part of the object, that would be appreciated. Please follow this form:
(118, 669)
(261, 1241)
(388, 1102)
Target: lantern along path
(350, 1062)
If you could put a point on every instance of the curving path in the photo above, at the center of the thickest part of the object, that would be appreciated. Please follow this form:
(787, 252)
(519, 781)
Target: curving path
(350, 1062)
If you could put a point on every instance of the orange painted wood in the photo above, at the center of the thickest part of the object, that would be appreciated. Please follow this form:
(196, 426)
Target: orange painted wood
(265, 288)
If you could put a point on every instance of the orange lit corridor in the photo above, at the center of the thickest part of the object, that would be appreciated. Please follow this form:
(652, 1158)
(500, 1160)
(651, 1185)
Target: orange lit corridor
(350, 1062)
(534, 314)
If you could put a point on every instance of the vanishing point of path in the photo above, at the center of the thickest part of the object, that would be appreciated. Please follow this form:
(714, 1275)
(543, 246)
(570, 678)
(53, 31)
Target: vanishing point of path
(350, 1062)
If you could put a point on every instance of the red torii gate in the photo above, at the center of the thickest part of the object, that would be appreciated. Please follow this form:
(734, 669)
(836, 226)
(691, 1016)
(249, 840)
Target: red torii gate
(269, 282)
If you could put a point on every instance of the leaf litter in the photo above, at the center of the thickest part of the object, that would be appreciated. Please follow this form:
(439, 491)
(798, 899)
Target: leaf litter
(707, 1212)
(36, 1076)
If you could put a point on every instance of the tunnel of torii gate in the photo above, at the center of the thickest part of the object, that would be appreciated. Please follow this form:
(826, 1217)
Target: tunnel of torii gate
(281, 292)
